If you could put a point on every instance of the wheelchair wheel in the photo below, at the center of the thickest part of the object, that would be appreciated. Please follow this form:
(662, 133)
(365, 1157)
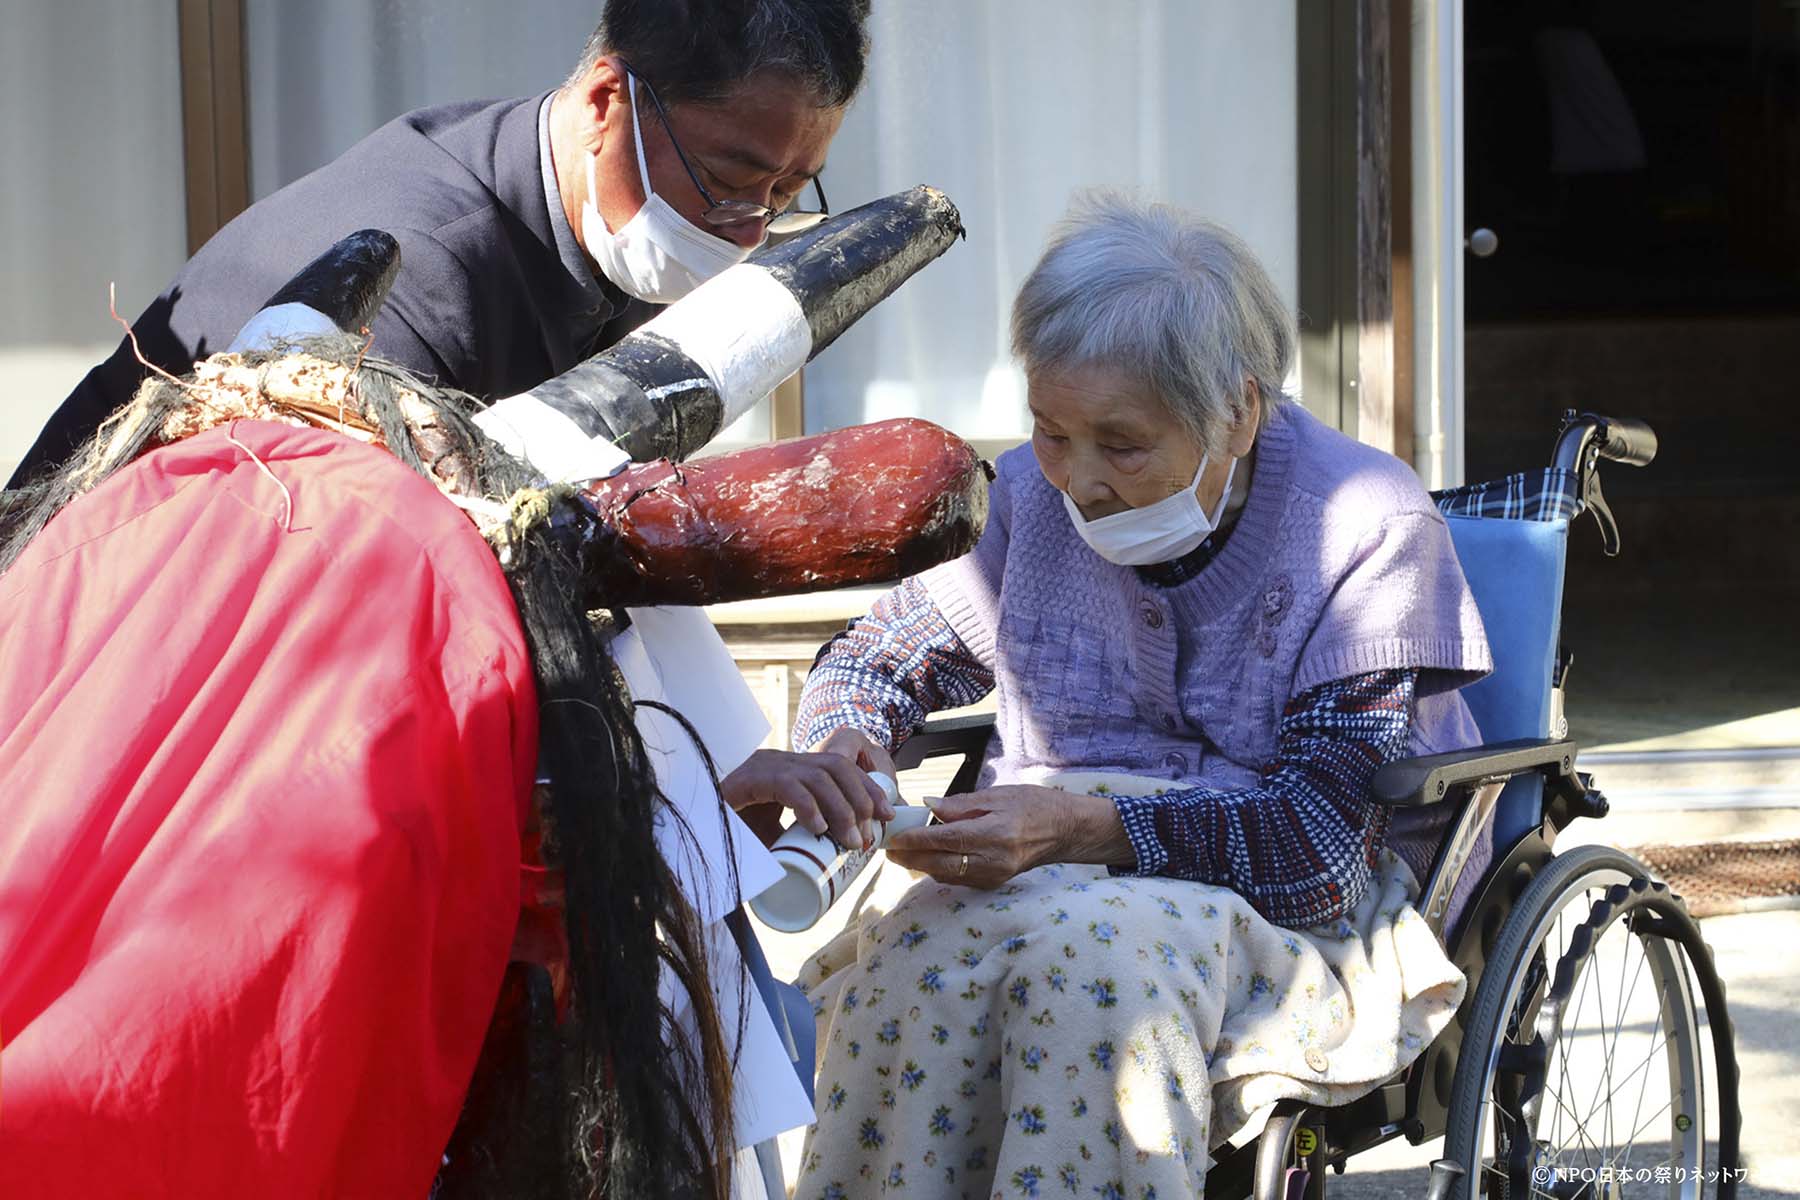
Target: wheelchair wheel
(1583, 1070)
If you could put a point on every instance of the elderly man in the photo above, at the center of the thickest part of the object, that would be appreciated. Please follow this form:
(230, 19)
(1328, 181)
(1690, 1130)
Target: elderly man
(536, 231)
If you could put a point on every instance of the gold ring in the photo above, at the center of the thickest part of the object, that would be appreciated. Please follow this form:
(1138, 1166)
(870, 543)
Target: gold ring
(964, 868)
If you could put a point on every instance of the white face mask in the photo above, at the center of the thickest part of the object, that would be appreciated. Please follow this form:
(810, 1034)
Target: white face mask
(660, 255)
(1155, 533)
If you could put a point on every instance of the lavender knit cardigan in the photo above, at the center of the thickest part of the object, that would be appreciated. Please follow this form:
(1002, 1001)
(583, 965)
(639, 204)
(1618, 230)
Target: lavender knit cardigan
(1339, 565)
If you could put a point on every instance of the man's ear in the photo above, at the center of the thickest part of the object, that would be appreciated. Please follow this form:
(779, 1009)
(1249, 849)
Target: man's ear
(603, 109)
(1243, 431)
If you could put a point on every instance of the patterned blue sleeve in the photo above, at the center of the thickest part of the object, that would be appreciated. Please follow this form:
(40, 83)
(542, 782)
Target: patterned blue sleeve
(888, 671)
(1299, 846)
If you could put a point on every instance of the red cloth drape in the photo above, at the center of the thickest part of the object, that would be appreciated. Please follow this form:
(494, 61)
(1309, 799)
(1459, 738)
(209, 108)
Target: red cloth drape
(262, 777)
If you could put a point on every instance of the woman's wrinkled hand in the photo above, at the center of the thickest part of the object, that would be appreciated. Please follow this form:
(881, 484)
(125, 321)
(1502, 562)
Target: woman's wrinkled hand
(1002, 831)
(829, 793)
(859, 749)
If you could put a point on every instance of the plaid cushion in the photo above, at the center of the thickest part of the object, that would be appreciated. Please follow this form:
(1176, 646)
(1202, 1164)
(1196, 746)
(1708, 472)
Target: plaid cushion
(1552, 494)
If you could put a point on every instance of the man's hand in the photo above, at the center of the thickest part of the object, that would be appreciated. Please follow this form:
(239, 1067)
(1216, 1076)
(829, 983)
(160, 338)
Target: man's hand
(828, 793)
(1005, 831)
(859, 749)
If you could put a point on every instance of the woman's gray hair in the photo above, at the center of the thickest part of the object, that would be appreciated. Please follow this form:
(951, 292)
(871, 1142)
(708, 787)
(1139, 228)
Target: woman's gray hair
(1155, 292)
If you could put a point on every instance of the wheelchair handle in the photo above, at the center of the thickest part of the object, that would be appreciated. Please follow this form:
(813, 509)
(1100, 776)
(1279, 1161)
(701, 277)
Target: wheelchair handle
(1626, 440)
(1621, 439)
(1584, 440)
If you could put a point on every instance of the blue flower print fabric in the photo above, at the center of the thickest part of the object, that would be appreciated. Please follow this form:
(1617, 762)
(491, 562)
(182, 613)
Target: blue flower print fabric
(1079, 1034)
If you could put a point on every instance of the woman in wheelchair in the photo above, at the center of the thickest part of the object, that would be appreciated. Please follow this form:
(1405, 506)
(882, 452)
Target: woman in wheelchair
(1210, 619)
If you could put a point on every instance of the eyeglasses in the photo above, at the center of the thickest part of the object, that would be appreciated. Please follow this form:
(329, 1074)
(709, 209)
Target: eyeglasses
(723, 213)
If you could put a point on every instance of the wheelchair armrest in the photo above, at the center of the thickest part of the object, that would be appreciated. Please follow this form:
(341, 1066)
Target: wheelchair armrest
(967, 736)
(1411, 782)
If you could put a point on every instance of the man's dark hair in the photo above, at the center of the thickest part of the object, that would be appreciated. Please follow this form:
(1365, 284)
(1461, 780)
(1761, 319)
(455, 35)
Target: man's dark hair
(701, 50)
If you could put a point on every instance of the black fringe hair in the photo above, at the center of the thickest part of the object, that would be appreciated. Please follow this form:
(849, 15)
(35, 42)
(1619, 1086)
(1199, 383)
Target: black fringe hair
(635, 1118)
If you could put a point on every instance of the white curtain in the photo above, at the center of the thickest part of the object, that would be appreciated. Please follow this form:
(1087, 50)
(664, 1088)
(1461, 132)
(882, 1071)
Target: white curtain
(1010, 106)
(90, 135)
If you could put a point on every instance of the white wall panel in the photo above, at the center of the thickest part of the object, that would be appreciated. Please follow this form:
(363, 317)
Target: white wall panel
(90, 140)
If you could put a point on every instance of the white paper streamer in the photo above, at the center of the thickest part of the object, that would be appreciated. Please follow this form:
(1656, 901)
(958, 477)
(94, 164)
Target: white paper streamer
(527, 428)
(744, 329)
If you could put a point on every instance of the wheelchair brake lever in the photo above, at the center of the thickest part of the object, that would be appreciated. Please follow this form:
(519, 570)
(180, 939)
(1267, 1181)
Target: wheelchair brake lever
(1595, 501)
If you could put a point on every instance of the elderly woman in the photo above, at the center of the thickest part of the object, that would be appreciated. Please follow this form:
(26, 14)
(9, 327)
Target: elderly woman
(1209, 619)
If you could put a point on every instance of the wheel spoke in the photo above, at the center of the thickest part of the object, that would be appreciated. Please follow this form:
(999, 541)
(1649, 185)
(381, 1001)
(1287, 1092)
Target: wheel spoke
(1648, 1059)
(1587, 1143)
(1624, 1004)
(1620, 1151)
(1591, 974)
(1635, 976)
(1609, 1042)
(1644, 1086)
(1626, 995)
(1581, 1123)
(1610, 1052)
(1562, 1062)
(1626, 1149)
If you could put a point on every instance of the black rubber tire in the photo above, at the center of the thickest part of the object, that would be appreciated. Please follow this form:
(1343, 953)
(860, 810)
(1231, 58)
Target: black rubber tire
(1608, 877)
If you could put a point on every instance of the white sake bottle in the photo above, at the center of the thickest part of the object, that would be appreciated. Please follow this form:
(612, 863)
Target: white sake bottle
(816, 870)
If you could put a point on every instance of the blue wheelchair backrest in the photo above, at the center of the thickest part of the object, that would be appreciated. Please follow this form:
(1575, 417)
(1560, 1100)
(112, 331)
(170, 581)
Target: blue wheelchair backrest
(1511, 536)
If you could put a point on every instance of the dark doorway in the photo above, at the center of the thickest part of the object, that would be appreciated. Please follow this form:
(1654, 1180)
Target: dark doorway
(1640, 163)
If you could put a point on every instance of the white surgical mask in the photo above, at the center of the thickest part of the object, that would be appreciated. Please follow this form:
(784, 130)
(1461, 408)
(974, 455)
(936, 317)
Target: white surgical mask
(659, 255)
(1155, 533)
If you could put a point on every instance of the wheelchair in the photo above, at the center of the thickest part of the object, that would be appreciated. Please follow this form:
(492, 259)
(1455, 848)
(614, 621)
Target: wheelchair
(1578, 1063)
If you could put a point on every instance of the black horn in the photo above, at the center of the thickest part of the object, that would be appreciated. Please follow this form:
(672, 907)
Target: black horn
(667, 389)
(853, 262)
(348, 282)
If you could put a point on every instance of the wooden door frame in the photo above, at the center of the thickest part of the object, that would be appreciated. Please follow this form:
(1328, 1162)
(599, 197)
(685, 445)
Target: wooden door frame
(1355, 218)
(215, 129)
